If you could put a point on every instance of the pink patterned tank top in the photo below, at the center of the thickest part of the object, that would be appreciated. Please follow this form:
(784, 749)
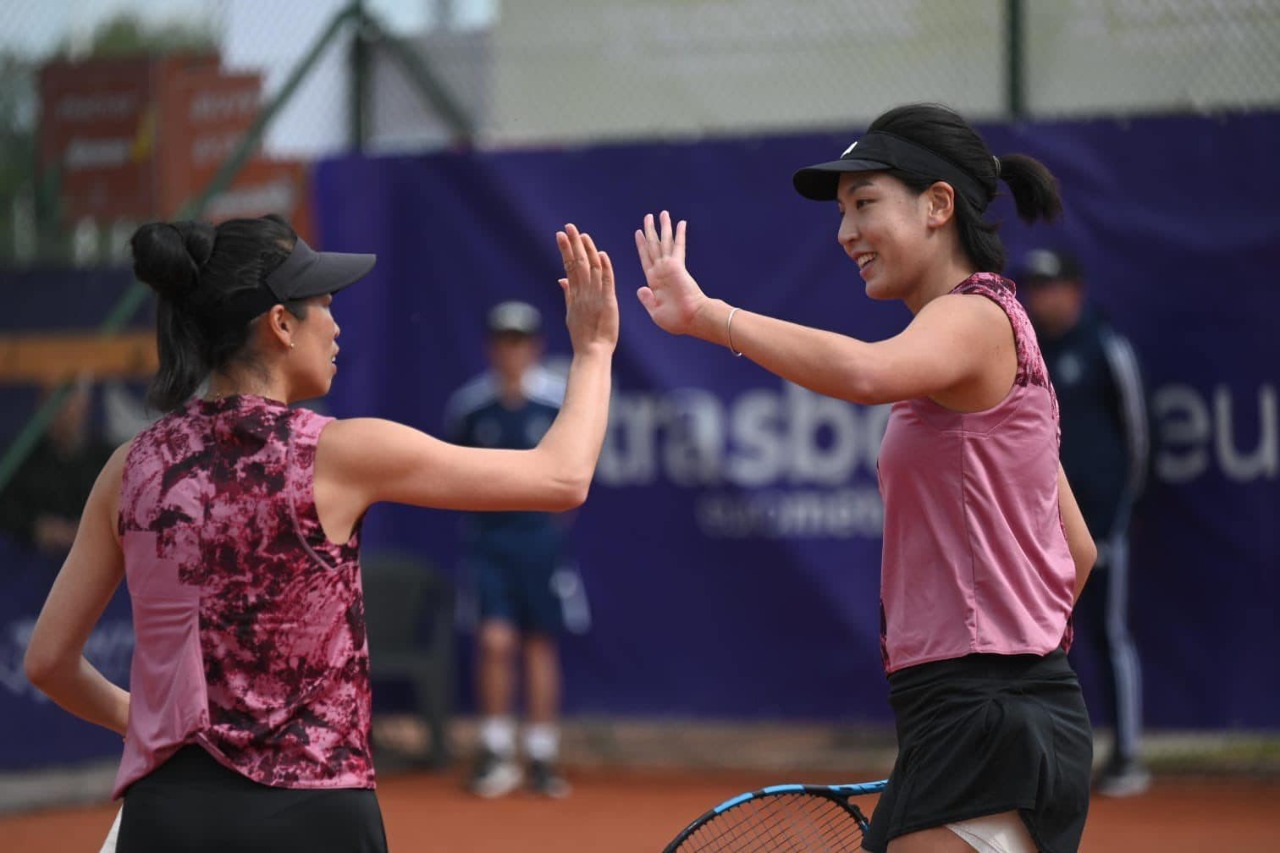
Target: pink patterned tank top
(975, 554)
(249, 623)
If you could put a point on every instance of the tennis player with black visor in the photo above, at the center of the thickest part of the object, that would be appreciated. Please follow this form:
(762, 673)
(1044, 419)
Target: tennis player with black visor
(235, 520)
(985, 550)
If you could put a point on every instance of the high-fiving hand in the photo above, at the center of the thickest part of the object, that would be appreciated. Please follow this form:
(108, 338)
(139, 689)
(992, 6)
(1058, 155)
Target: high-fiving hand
(590, 299)
(671, 296)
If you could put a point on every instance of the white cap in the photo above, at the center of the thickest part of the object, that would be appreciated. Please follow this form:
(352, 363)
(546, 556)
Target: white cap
(514, 317)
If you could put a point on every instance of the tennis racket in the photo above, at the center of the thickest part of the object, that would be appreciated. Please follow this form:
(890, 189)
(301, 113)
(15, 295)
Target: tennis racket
(782, 817)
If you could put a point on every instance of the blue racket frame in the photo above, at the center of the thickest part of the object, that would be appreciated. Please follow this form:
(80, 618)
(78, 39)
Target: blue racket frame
(837, 793)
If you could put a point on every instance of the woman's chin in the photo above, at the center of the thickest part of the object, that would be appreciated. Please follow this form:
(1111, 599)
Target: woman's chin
(875, 290)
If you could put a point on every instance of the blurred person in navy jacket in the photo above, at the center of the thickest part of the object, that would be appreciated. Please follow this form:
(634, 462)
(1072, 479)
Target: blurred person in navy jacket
(1105, 450)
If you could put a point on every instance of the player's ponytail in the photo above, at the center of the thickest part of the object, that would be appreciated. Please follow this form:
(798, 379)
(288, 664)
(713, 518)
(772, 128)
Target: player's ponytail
(1033, 186)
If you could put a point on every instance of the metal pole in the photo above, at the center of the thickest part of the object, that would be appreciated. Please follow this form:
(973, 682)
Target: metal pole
(359, 80)
(433, 92)
(1014, 54)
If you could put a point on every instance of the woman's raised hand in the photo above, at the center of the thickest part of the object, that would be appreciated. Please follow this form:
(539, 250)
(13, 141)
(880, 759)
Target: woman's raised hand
(671, 296)
(591, 302)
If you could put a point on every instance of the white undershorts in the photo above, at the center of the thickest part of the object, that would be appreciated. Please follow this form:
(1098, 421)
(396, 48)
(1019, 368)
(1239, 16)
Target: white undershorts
(109, 845)
(997, 833)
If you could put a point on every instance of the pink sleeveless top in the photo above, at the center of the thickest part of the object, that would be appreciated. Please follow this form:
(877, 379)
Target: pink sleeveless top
(975, 553)
(249, 623)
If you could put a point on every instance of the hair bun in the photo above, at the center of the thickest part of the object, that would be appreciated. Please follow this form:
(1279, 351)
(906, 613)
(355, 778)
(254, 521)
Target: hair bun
(167, 256)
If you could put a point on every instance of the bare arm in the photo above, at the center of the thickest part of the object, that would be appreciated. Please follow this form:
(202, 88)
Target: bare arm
(363, 461)
(956, 345)
(55, 661)
(1083, 550)
(955, 341)
(377, 460)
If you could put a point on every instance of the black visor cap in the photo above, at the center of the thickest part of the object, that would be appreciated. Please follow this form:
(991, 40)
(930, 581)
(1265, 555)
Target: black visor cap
(306, 272)
(879, 151)
(819, 182)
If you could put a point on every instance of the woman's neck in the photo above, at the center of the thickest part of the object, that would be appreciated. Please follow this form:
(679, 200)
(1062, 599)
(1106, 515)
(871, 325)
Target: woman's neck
(222, 385)
(939, 281)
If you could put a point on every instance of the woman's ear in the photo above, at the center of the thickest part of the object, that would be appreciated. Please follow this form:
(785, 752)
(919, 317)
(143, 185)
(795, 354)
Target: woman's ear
(280, 325)
(940, 204)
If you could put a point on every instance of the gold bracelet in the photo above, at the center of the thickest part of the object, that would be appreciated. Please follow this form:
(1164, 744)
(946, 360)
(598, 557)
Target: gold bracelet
(728, 324)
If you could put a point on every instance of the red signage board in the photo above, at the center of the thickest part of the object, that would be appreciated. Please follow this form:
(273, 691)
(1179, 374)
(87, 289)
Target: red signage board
(203, 115)
(95, 128)
(135, 139)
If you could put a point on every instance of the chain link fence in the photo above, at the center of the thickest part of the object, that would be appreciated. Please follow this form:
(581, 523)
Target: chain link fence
(427, 74)
(565, 71)
(1119, 57)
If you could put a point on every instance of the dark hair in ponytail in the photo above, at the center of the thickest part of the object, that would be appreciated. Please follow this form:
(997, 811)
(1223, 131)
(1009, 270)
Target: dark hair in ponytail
(947, 134)
(196, 269)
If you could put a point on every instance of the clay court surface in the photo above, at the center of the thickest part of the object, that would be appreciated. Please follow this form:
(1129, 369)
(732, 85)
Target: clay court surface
(641, 810)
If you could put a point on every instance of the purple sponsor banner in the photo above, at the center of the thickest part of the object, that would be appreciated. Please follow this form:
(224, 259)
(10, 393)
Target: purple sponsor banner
(34, 732)
(730, 545)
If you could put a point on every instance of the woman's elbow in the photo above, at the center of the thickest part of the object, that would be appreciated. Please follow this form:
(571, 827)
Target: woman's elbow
(1084, 552)
(40, 666)
(1090, 556)
(569, 495)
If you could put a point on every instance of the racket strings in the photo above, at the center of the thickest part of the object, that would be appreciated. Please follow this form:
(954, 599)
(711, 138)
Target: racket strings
(804, 823)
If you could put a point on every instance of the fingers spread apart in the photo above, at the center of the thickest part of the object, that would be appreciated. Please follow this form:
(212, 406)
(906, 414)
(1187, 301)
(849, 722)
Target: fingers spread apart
(658, 240)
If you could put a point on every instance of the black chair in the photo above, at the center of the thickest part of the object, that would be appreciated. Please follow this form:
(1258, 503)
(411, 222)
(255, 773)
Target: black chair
(409, 611)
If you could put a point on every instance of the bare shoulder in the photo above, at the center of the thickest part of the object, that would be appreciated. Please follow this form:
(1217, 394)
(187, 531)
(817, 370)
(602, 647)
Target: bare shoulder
(119, 456)
(965, 307)
(365, 457)
(968, 315)
(358, 433)
(112, 473)
(365, 442)
(104, 497)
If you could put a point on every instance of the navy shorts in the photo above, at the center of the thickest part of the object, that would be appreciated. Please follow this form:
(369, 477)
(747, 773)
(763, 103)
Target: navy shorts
(520, 590)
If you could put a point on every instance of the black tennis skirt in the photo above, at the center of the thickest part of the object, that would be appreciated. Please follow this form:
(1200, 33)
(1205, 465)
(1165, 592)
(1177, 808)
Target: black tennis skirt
(193, 804)
(985, 734)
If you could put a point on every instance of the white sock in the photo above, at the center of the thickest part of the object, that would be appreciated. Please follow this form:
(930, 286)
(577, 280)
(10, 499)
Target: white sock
(542, 741)
(498, 735)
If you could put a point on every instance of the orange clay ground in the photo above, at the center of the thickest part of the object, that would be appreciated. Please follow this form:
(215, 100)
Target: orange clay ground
(634, 810)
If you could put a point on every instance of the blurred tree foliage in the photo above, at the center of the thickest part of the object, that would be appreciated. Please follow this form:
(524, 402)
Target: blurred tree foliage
(128, 35)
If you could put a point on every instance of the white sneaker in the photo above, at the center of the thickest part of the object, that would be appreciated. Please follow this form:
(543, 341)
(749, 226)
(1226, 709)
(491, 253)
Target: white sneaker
(495, 776)
(1125, 780)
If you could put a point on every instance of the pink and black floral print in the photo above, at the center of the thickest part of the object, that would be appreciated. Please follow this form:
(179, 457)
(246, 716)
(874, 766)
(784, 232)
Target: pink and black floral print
(231, 572)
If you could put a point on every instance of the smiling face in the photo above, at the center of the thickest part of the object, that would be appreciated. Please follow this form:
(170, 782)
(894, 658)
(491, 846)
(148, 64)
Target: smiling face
(885, 227)
(312, 361)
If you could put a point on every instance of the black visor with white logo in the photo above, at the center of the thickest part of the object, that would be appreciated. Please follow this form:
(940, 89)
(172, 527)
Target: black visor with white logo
(879, 151)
